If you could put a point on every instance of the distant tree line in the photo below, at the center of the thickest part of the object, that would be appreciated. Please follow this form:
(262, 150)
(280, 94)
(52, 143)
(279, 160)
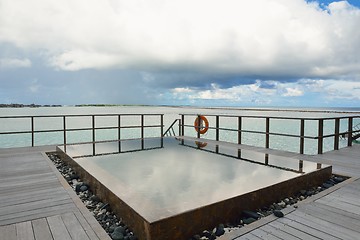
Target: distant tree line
(20, 105)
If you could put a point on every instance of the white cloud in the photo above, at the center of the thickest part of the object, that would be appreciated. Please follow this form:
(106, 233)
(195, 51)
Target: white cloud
(330, 90)
(8, 63)
(293, 92)
(261, 37)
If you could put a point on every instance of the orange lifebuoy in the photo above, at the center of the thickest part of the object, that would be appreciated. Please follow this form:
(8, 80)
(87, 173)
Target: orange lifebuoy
(201, 129)
(200, 144)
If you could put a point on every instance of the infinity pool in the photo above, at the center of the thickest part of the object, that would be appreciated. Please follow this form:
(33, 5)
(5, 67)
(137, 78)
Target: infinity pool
(163, 179)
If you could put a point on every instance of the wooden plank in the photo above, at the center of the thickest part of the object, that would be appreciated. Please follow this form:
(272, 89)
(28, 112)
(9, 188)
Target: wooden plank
(340, 204)
(57, 228)
(307, 229)
(28, 177)
(278, 233)
(85, 225)
(348, 192)
(25, 182)
(74, 227)
(323, 225)
(37, 213)
(24, 231)
(41, 229)
(30, 188)
(8, 232)
(34, 205)
(291, 230)
(252, 236)
(248, 236)
(264, 235)
(350, 215)
(14, 200)
(332, 217)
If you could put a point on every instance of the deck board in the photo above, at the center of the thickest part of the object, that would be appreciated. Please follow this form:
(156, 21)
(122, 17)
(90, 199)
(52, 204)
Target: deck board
(57, 228)
(24, 231)
(36, 203)
(41, 229)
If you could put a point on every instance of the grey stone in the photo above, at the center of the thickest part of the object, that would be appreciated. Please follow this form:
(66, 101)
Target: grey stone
(83, 188)
(338, 179)
(117, 236)
(251, 214)
(278, 213)
(249, 220)
(220, 230)
(94, 198)
(326, 185)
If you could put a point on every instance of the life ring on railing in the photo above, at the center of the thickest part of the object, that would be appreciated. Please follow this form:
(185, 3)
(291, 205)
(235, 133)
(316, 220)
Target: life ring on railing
(204, 124)
(200, 144)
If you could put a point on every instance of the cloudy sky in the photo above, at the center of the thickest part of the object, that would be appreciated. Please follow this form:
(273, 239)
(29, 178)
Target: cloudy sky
(181, 52)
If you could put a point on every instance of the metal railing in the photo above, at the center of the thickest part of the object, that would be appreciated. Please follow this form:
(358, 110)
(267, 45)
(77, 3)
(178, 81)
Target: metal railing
(171, 131)
(336, 134)
(65, 130)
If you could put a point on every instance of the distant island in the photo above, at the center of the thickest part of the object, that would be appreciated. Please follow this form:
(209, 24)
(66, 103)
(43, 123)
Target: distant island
(19, 105)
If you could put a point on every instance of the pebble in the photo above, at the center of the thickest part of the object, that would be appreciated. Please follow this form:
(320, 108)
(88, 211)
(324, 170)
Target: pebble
(251, 214)
(220, 230)
(278, 213)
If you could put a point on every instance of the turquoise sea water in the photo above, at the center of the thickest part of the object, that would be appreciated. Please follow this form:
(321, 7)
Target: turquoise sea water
(171, 113)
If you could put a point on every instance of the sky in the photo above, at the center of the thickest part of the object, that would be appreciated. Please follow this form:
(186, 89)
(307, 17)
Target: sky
(261, 53)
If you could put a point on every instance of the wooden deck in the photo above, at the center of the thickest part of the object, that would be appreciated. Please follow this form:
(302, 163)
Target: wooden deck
(37, 203)
(331, 214)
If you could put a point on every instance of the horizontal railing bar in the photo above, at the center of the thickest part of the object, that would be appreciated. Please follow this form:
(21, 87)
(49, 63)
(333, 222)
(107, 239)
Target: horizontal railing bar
(20, 132)
(259, 132)
(277, 134)
(106, 141)
(75, 129)
(82, 115)
(342, 133)
(273, 117)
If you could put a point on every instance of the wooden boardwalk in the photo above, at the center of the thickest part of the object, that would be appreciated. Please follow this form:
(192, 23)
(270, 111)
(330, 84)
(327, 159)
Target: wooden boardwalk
(331, 214)
(36, 203)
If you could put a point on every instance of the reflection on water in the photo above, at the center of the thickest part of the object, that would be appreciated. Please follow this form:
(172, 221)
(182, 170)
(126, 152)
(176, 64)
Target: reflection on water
(166, 181)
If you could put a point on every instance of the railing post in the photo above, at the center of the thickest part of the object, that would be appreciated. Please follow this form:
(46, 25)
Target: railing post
(119, 132)
(217, 123)
(239, 135)
(239, 129)
(32, 132)
(142, 131)
(93, 133)
(162, 129)
(350, 126)
(198, 126)
(64, 126)
(320, 136)
(302, 133)
(337, 130)
(182, 123)
(267, 142)
(179, 126)
(217, 128)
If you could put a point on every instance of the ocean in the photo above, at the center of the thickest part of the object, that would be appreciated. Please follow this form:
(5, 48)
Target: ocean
(170, 114)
